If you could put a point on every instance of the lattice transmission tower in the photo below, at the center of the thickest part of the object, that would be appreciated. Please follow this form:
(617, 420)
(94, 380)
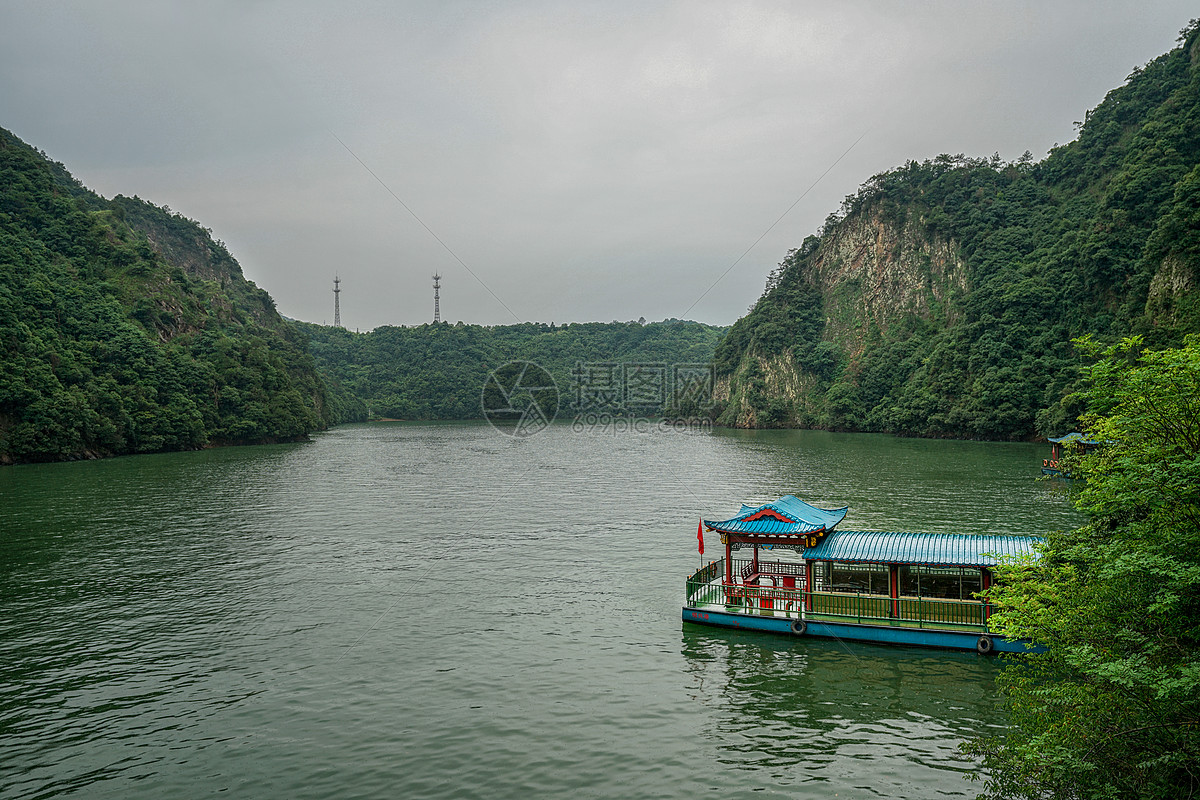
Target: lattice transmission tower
(437, 311)
(337, 302)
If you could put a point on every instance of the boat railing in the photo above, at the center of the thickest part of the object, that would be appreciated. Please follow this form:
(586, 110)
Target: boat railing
(919, 611)
(700, 588)
(707, 587)
(746, 567)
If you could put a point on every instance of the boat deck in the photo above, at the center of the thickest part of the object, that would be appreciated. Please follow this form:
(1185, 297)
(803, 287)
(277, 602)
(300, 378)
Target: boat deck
(742, 600)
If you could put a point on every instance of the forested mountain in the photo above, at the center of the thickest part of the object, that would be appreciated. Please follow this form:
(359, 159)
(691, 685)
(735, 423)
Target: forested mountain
(438, 371)
(942, 299)
(125, 328)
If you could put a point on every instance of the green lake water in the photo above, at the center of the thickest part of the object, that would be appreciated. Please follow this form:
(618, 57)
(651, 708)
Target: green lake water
(403, 610)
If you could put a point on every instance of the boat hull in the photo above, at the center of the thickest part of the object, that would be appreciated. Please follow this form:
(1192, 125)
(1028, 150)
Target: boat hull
(852, 631)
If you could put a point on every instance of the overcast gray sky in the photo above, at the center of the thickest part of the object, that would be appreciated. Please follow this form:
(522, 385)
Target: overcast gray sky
(580, 161)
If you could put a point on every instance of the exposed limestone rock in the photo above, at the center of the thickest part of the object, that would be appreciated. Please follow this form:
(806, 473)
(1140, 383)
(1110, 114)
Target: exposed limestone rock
(873, 272)
(1173, 280)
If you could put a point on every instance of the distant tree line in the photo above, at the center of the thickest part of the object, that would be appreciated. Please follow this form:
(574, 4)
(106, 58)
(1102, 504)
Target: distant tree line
(438, 371)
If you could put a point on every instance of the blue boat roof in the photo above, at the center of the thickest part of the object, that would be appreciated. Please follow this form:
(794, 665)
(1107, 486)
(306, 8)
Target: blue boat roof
(1073, 436)
(788, 514)
(932, 549)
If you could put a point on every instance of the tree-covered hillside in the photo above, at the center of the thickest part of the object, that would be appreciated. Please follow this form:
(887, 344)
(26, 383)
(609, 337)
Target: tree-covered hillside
(125, 328)
(942, 299)
(1111, 707)
(438, 371)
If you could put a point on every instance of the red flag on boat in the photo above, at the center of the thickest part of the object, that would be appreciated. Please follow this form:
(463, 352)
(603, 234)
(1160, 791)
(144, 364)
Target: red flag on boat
(700, 536)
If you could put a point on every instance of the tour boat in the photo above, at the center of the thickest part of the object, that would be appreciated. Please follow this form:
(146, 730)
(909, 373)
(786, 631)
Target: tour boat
(1082, 444)
(805, 578)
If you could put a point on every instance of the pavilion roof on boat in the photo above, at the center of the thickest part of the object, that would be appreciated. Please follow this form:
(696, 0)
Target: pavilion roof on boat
(786, 517)
(1074, 437)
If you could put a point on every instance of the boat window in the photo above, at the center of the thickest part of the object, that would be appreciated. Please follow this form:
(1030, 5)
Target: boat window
(941, 582)
(953, 583)
(820, 573)
(859, 578)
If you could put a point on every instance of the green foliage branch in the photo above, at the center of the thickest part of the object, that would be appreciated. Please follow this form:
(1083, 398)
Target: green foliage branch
(1112, 708)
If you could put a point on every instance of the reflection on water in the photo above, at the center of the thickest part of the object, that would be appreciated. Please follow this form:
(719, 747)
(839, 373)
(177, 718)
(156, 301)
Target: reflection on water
(841, 717)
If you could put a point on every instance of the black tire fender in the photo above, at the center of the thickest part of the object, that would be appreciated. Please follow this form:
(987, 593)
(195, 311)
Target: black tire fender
(799, 627)
(984, 645)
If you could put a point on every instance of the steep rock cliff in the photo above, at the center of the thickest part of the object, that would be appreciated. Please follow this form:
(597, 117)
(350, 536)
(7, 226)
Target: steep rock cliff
(870, 276)
(874, 272)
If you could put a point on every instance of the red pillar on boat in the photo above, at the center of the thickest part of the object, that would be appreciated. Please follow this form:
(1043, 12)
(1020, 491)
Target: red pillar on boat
(728, 561)
(894, 585)
(986, 582)
(808, 584)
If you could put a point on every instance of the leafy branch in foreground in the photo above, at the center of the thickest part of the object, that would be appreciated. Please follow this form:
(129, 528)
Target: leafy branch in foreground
(1112, 708)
